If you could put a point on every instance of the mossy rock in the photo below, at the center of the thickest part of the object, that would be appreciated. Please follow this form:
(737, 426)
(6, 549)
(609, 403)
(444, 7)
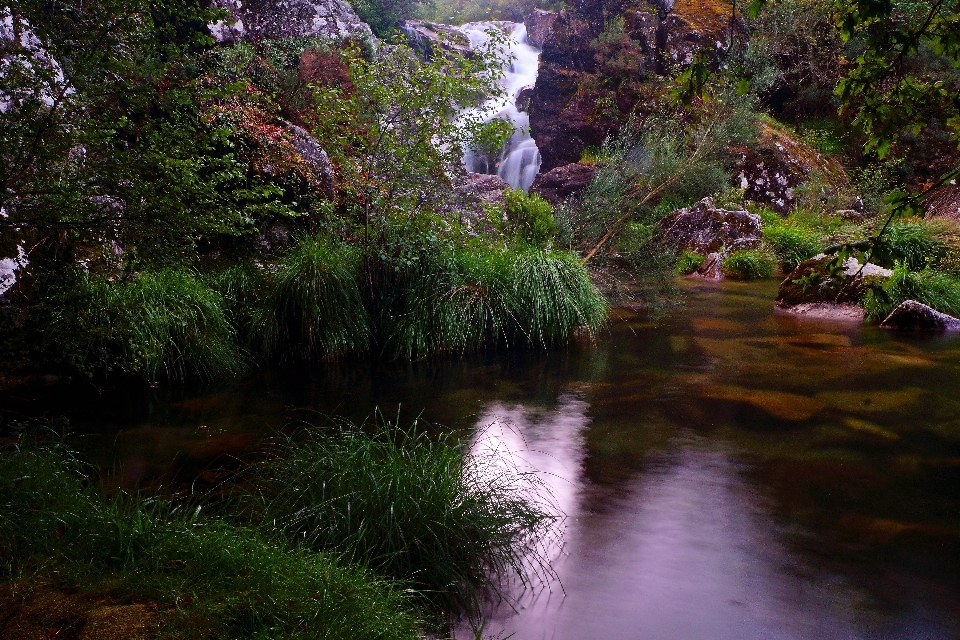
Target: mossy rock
(818, 280)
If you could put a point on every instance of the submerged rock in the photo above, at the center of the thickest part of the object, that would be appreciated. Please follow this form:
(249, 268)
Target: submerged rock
(915, 316)
(704, 228)
(818, 288)
(559, 183)
(255, 20)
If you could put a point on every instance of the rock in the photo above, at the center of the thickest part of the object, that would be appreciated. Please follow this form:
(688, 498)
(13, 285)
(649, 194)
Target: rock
(846, 312)
(705, 229)
(486, 187)
(850, 214)
(428, 37)
(911, 315)
(944, 203)
(255, 20)
(474, 194)
(811, 284)
(523, 98)
(584, 91)
(769, 171)
(559, 183)
(310, 151)
(711, 269)
(539, 26)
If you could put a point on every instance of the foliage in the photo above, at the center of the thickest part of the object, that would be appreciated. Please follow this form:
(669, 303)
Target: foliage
(313, 307)
(689, 262)
(425, 511)
(384, 16)
(160, 325)
(916, 243)
(209, 578)
(459, 12)
(748, 264)
(792, 243)
(529, 218)
(932, 288)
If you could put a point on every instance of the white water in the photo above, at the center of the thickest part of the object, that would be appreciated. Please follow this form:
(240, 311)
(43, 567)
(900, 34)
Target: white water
(519, 161)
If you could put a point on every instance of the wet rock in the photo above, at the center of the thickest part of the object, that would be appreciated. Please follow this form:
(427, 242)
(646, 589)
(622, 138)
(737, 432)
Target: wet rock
(539, 26)
(770, 170)
(313, 154)
(559, 183)
(428, 37)
(818, 288)
(704, 228)
(523, 98)
(911, 315)
(488, 188)
(711, 269)
(474, 196)
(255, 20)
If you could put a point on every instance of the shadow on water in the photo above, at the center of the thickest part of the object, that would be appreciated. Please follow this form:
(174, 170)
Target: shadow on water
(726, 472)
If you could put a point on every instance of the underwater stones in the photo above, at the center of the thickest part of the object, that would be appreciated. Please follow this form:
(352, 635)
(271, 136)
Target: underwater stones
(704, 228)
(911, 315)
(255, 20)
(780, 404)
(559, 183)
(817, 290)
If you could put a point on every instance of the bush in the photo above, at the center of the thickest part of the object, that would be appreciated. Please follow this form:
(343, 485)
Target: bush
(209, 578)
(932, 288)
(314, 308)
(915, 242)
(792, 244)
(162, 324)
(529, 218)
(689, 262)
(748, 264)
(449, 522)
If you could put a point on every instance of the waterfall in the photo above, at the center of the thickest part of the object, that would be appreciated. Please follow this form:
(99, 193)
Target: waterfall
(519, 161)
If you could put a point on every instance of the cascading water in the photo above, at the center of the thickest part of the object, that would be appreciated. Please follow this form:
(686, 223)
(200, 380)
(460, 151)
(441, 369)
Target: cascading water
(519, 161)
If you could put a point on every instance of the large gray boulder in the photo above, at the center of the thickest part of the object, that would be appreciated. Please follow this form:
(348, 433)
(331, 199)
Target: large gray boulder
(559, 183)
(255, 20)
(705, 228)
(914, 316)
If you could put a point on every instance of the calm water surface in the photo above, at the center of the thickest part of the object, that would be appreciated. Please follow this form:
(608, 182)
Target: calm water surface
(725, 472)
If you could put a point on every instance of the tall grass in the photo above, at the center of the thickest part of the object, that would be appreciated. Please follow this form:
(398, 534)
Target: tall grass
(160, 324)
(314, 308)
(209, 578)
(425, 511)
(459, 300)
(748, 264)
(917, 243)
(792, 244)
(932, 288)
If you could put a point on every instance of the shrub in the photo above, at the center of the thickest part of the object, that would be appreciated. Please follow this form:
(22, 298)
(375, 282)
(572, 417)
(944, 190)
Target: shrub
(792, 244)
(932, 288)
(748, 264)
(449, 522)
(161, 324)
(314, 307)
(209, 578)
(529, 218)
(689, 262)
(915, 242)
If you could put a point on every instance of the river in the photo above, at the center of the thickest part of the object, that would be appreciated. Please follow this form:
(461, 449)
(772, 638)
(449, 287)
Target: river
(725, 472)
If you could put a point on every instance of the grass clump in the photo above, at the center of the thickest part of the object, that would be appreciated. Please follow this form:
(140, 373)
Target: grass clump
(529, 218)
(689, 262)
(792, 244)
(157, 324)
(932, 288)
(917, 243)
(209, 579)
(748, 264)
(314, 308)
(448, 522)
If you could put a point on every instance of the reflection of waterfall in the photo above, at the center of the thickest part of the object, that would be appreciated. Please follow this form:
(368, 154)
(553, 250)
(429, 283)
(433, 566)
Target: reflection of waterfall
(519, 161)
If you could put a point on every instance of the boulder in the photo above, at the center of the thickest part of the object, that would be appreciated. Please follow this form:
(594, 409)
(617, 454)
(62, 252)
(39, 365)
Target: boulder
(771, 169)
(539, 26)
(313, 154)
(911, 315)
(558, 184)
(474, 193)
(814, 290)
(255, 20)
(428, 37)
(523, 98)
(711, 269)
(485, 187)
(704, 228)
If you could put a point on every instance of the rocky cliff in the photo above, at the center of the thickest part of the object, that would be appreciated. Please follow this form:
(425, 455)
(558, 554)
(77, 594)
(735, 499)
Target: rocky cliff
(268, 19)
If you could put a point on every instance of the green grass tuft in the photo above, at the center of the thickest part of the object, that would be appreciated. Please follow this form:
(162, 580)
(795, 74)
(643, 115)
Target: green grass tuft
(209, 578)
(424, 511)
(748, 264)
(792, 244)
(162, 324)
(689, 262)
(932, 288)
(313, 308)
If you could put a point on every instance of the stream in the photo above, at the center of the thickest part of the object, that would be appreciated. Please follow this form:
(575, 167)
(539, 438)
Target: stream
(725, 472)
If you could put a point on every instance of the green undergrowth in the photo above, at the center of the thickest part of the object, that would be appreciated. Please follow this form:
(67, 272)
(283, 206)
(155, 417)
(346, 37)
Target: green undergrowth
(449, 523)
(689, 262)
(210, 579)
(933, 288)
(748, 264)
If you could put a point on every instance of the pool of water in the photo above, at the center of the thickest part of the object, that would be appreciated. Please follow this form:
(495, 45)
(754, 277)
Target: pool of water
(725, 472)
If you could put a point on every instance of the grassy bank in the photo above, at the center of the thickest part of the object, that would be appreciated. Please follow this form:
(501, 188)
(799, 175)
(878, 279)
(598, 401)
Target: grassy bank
(332, 536)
